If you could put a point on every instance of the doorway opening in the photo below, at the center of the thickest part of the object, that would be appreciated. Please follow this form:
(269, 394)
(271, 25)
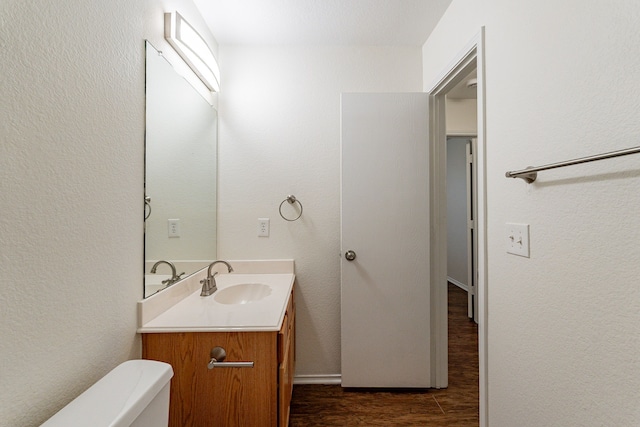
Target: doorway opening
(461, 118)
(461, 215)
(470, 59)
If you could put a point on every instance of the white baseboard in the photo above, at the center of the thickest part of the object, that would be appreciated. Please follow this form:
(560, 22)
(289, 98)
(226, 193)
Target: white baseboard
(318, 379)
(458, 284)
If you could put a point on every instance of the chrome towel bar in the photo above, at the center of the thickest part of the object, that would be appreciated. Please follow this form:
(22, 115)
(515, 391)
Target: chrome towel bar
(531, 173)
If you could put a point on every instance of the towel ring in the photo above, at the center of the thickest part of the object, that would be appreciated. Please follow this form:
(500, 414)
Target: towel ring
(291, 199)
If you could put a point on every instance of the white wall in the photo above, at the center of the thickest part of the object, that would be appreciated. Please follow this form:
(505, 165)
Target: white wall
(279, 134)
(563, 324)
(461, 116)
(71, 187)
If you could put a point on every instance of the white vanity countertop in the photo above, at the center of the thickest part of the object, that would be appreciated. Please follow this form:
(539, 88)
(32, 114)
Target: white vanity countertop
(183, 309)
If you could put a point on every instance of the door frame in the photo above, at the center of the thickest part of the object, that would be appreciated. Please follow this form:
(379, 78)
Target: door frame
(472, 56)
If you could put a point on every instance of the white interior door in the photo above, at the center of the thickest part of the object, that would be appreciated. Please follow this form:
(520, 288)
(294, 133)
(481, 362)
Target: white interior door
(385, 308)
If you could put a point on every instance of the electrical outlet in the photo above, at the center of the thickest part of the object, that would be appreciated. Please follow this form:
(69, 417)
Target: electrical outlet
(518, 239)
(263, 227)
(174, 227)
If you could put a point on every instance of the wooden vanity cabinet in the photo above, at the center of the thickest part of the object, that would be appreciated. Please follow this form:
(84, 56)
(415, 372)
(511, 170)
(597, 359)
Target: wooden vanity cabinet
(286, 363)
(201, 397)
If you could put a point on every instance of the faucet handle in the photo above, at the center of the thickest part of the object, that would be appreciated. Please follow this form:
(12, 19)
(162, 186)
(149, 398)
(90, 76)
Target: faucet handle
(173, 279)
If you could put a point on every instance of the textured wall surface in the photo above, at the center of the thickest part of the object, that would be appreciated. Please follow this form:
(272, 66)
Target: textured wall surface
(279, 134)
(71, 186)
(71, 175)
(563, 324)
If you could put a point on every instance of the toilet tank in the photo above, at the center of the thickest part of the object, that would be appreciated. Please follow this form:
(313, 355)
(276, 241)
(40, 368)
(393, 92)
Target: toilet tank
(134, 394)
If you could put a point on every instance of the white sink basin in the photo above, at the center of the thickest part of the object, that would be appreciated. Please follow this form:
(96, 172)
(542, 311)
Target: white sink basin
(243, 293)
(243, 302)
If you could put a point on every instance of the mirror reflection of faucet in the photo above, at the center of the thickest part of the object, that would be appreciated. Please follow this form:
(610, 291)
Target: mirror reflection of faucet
(174, 277)
(209, 283)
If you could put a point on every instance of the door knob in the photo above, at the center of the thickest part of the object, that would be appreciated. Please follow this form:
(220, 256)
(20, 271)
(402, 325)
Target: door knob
(350, 255)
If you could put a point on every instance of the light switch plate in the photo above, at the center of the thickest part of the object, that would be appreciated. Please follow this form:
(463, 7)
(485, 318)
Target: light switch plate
(517, 239)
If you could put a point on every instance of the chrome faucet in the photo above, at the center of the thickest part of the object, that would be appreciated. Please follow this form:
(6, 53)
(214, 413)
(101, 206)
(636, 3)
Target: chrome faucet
(174, 277)
(209, 283)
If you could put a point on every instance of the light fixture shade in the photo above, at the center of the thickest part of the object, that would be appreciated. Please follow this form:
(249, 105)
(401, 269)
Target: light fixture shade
(193, 49)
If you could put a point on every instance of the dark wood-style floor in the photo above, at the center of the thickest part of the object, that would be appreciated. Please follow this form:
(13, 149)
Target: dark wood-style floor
(331, 405)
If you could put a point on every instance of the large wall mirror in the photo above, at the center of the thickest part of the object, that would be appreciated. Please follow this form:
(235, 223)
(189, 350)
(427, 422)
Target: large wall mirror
(180, 176)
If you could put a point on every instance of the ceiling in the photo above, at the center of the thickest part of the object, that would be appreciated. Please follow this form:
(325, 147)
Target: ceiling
(322, 22)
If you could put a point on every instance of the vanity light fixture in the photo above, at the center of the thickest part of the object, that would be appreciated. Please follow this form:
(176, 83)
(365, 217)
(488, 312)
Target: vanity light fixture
(193, 49)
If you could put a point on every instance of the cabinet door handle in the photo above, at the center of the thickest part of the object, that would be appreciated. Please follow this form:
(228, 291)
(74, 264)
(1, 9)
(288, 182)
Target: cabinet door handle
(213, 364)
(218, 354)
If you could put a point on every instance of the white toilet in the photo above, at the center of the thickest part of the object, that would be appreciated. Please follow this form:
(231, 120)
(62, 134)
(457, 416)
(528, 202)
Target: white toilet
(134, 394)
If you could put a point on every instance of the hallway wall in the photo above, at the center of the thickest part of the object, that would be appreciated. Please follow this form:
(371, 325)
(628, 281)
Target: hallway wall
(562, 328)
